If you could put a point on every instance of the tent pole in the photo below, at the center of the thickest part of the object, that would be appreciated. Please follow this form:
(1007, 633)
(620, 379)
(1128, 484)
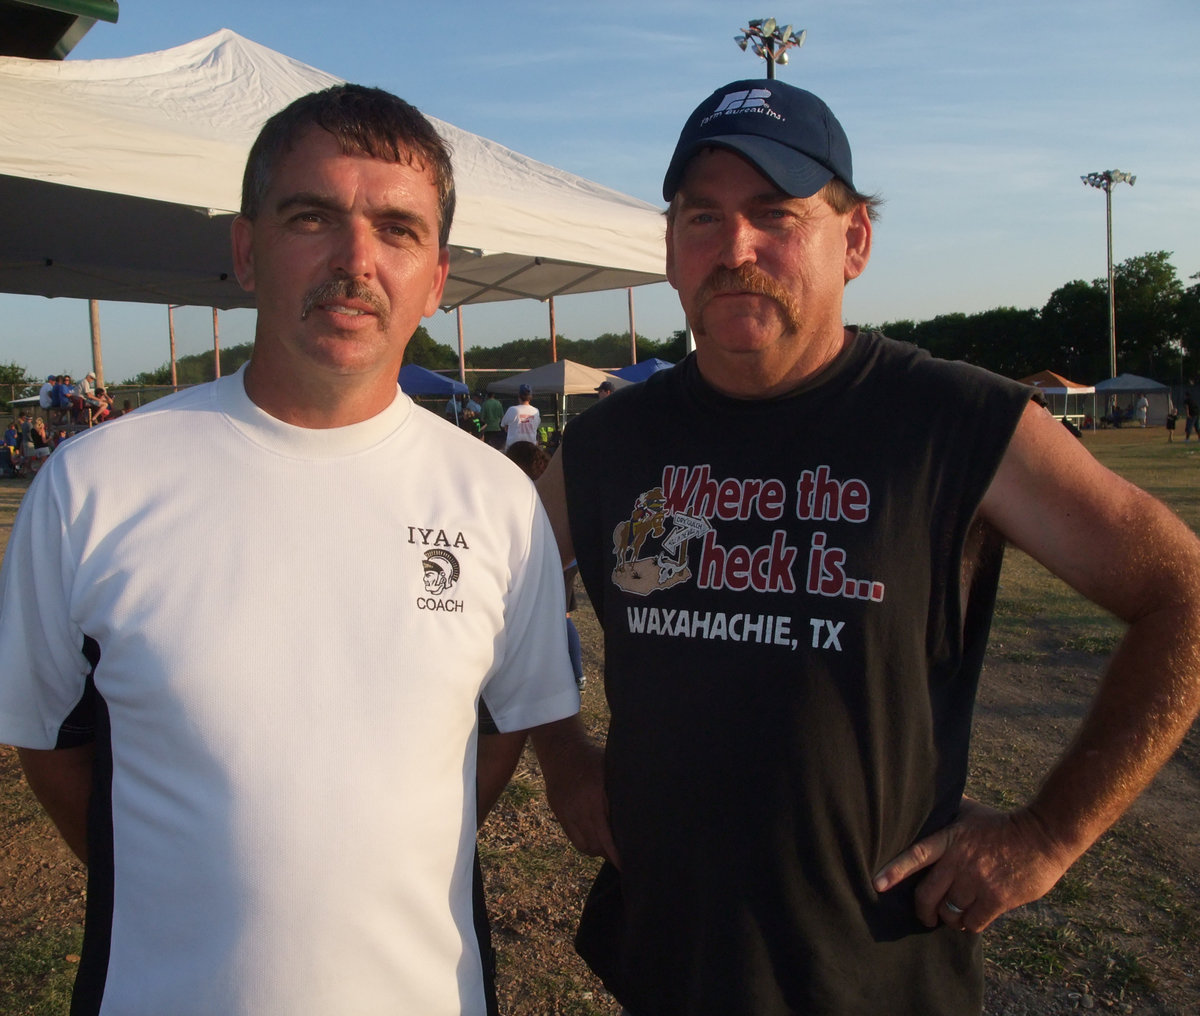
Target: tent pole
(553, 335)
(632, 332)
(97, 357)
(216, 344)
(462, 356)
(171, 333)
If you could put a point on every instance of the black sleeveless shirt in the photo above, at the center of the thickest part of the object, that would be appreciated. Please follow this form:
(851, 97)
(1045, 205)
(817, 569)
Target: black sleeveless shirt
(794, 631)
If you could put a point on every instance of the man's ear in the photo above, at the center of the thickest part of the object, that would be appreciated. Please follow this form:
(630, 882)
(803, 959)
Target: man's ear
(858, 242)
(242, 240)
(437, 283)
(670, 254)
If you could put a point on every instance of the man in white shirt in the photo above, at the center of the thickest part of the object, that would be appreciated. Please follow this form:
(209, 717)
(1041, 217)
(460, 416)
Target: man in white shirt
(521, 422)
(274, 789)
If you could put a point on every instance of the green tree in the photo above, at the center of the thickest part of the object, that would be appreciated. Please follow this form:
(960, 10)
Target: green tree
(1149, 294)
(195, 368)
(425, 352)
(517, 354)
(15, 382)
(1189, 328)
(1075, 331)
(672, 350)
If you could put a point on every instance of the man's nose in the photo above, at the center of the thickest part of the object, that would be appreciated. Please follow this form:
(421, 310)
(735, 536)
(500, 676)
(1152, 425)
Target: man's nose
(739, 242)
(352, 255)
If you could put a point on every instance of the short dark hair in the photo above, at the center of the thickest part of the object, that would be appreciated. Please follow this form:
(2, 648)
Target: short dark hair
(365, 121)
(532, 458)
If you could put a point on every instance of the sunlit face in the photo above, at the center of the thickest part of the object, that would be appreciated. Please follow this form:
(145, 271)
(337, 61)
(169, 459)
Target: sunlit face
(760, 274)
(343, 260)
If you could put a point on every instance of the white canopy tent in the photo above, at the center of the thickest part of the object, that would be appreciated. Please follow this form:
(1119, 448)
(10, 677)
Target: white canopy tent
(1126, 388)
(560, 379)
(563, 377)
(119, 178)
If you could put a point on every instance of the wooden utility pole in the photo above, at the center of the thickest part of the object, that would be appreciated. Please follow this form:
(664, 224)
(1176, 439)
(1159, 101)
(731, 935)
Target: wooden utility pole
(97, 355)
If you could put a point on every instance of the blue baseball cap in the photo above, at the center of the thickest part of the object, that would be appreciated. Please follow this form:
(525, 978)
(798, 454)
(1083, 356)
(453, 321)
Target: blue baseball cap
(788, 134)
(524, 390)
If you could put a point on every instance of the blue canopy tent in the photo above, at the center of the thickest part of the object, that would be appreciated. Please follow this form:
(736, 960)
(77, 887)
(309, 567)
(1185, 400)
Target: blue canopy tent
(640, 371)
(416, 380)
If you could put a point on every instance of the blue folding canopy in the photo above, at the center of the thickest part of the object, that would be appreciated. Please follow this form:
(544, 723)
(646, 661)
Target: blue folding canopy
(640, 371)
(416, 380)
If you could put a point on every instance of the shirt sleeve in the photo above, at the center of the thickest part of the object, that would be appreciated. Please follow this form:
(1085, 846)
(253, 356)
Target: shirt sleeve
(533, 682)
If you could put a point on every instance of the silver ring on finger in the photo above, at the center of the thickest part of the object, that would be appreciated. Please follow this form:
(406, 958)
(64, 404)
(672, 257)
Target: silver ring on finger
(954, 908)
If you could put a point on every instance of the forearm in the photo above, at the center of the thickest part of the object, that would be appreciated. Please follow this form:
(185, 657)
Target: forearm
(573, 767)
(563, 748)
(61, 780)
(498, 757)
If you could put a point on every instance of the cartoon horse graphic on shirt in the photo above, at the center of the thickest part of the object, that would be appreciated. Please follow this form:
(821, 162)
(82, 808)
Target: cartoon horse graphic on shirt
(649, 517)
(643, 571)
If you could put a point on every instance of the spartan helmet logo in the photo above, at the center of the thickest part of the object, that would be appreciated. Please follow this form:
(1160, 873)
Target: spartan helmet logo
(441, 570)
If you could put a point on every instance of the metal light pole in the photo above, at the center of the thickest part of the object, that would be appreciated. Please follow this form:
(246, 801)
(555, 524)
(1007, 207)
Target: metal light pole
(769, 41)
(1104, 181)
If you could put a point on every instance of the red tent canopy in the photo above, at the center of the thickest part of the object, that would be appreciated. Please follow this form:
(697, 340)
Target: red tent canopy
(1056, 384)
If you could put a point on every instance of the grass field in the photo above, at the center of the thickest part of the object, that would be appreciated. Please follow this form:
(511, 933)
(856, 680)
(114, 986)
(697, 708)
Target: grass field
(1120, 933)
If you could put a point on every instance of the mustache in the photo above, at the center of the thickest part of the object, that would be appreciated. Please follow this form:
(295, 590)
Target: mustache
(742, 279)
(745, 279)
(346, 289)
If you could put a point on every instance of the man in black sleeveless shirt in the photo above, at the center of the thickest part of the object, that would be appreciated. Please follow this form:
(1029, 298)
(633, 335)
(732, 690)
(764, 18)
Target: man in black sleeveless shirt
(795, 605)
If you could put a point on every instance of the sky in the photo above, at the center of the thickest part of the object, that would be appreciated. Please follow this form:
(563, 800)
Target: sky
(973, 120)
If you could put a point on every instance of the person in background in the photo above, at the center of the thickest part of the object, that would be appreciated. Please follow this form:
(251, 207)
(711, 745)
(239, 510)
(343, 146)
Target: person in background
(87, 390)
(40, 445)
(521, 422)
(11, 458)
(105, 403)
(794, 631)
(46, 392)
(492, 412)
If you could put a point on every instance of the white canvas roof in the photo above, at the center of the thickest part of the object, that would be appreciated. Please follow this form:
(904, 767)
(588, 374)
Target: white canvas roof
(563, 377)
(118, 180)
(1129, 383)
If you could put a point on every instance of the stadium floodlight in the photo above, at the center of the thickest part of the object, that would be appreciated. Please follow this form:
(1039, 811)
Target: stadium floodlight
(767, 40)
(1104, 181)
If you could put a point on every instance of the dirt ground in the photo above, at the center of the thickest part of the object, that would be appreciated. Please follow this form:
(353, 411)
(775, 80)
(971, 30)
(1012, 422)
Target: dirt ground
(1121, 933)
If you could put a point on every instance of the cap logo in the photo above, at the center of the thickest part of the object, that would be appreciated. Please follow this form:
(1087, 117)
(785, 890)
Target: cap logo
(751, 100)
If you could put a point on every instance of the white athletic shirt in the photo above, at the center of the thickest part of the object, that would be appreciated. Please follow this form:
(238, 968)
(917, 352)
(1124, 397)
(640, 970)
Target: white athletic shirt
(294, 626)
(521, 423)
